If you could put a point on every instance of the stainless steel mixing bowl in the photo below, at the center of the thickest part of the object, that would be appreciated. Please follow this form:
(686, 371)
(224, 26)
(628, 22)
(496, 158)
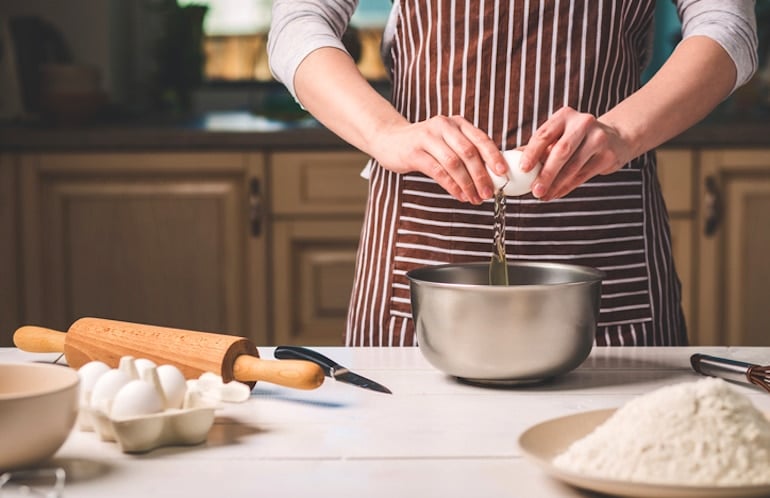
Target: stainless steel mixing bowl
(540, 326)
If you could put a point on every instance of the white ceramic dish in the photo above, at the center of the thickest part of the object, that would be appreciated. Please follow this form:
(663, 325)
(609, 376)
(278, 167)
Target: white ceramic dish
(38, 408)
(543, 442)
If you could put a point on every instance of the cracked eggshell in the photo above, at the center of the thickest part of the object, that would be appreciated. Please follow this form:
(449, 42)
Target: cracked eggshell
(517, 182)
(210, 386)
(235, 392)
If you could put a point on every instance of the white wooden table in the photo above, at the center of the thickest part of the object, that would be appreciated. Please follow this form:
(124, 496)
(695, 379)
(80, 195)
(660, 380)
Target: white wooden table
(432, 437)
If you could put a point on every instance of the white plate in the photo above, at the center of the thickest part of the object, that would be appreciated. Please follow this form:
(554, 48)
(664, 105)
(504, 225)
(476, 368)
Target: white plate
(544, 441)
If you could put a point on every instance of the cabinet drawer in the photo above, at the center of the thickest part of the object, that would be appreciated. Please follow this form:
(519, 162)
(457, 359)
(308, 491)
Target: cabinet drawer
(318, 183)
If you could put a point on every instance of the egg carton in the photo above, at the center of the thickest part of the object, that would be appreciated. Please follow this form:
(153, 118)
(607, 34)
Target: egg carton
(143, 406)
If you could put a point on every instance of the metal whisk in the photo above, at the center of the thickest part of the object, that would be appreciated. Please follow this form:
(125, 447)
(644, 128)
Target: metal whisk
(738, 371)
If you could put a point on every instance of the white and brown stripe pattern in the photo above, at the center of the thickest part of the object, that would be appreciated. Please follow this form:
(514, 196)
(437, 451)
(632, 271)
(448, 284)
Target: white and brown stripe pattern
(507, 66)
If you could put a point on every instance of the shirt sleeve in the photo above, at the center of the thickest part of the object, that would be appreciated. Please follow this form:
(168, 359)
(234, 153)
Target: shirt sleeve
(731, 23)
(299, 27)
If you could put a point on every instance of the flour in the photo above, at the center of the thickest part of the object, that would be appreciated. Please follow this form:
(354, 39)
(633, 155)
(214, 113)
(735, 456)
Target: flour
(701, 433)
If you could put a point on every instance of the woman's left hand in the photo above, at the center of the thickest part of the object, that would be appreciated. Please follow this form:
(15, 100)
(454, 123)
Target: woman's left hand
(573, 147)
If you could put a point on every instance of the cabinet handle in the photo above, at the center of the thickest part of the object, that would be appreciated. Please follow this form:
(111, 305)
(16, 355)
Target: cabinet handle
(712, 203)
(255, 207)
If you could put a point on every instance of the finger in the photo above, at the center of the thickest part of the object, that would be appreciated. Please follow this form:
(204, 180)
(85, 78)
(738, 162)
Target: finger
(487, 148)
(594, 157)
(572, 175)
(544, 137)
(462, 160)
(454, 167)
(584, 174)
(486, 157)
(426, 163)
(473, 146)
(562, 152)
(492, 161)
(566, 179)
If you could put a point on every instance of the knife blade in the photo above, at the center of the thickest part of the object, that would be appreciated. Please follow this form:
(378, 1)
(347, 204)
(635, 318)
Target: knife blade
(330, 367)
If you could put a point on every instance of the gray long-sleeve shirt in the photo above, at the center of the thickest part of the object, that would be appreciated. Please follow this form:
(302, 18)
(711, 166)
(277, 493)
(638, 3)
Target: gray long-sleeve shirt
(301, 26)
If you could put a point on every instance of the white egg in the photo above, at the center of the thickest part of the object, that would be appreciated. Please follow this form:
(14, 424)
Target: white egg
(135, 399)
(517, 182)
(174, 385)
(106, 387)
(89, 374)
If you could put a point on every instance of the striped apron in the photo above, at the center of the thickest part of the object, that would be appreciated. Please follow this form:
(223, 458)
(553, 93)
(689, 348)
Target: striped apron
(506, 66)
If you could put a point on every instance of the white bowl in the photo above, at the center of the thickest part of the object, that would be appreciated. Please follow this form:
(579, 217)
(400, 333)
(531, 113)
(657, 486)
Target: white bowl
(38, 408)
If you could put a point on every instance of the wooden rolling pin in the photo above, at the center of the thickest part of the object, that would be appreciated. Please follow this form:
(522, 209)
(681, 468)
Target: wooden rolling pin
(231, 357)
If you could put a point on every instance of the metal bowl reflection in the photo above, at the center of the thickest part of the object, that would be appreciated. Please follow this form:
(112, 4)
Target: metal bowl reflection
(540, 326)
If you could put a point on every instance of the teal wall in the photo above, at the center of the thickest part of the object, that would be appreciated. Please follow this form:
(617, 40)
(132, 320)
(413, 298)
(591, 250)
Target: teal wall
(667, 35)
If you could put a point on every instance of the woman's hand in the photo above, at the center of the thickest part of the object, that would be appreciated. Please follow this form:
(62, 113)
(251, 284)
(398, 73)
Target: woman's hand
(573, 147)
(448, 149)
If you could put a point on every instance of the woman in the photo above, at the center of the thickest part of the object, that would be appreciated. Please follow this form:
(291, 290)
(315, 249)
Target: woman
(560, 79)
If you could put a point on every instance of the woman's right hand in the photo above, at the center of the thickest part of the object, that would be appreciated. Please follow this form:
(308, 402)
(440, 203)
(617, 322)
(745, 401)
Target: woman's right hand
(448, 149)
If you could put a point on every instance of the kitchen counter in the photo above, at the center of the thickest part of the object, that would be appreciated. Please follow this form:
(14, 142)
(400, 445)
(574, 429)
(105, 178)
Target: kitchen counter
(245, 131)
(214, 131)
(432, 437)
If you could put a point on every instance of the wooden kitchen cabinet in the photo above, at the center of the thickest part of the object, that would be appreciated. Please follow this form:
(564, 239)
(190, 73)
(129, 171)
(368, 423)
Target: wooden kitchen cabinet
(163, 238)
(676, 170)
(317, 209)
(734, 247)
(263, 243)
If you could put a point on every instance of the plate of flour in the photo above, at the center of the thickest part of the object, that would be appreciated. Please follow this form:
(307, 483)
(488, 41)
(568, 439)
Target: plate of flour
(697, 439)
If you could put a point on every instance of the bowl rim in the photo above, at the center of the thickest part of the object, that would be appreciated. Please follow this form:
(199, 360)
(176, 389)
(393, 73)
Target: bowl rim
(593, 275)
(73, 381)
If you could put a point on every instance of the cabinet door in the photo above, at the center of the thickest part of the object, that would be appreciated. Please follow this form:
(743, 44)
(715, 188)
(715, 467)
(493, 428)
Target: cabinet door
(675, 172)
(158, 238)
(318, 201)
(734, 222)
(313, 270)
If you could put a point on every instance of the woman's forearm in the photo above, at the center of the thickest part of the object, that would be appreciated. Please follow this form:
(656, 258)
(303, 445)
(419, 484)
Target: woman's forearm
(695, 79)
(449, 149)
(575, 147)
(329, 85)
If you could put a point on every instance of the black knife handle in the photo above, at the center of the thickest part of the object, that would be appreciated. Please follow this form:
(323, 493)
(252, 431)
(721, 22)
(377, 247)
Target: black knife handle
(299, 353)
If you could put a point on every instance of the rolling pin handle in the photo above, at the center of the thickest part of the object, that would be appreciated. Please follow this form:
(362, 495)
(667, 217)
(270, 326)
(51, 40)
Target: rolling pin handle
(39, 339)
(298, 374)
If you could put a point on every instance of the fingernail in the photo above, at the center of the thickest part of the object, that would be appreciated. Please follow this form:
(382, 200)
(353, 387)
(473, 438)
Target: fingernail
(501, 168)
(463, 198)
(538, 190)
(487, 193)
